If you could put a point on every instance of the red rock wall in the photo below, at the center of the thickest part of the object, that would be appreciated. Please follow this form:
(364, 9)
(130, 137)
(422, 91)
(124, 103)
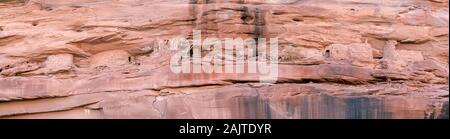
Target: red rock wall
(356, 59)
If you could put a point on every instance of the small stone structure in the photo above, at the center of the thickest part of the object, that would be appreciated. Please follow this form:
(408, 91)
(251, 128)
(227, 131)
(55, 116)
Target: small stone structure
(111, 59)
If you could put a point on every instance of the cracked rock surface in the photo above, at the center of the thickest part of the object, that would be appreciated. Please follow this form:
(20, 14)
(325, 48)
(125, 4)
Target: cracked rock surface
(353, 59)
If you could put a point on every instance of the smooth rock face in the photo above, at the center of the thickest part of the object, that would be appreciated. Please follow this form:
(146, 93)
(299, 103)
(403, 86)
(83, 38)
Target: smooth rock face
(338, 59)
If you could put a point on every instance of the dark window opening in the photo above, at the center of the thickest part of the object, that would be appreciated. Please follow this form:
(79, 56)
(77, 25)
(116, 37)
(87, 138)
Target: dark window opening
(327, 53)
(129, 59)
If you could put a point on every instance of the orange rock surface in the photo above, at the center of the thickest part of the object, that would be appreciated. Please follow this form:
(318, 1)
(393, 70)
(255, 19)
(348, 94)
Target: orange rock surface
(343, 59)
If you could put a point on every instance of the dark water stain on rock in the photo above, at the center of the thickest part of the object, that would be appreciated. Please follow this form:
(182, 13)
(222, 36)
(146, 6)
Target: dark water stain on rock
(245, 16)
(259, 23)
(444, 114)
(320, 106)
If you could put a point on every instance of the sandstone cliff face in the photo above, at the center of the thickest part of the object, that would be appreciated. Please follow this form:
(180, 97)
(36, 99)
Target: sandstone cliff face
(357, 59)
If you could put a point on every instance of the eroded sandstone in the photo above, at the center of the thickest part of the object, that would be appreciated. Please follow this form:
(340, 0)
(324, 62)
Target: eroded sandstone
(110, 59)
